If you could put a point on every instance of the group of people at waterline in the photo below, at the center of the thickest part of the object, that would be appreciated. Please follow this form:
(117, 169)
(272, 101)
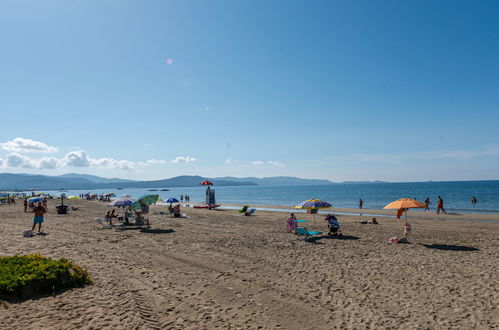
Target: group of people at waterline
(427, 202)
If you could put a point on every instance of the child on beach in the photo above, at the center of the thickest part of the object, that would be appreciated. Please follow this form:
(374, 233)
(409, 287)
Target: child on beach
(334, 225)
(292, 223)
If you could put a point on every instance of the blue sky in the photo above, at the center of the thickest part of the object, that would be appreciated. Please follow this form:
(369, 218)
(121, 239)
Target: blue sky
(340, 90)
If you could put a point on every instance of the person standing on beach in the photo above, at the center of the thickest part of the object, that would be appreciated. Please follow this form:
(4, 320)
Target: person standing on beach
(39, 211)
(361, 203)
(427, 203)
(25, 205)
(440, 206)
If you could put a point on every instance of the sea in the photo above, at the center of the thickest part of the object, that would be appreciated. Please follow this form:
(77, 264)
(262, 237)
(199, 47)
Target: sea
(456, 195)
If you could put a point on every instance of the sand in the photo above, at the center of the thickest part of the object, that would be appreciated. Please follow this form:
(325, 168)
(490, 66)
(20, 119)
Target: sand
(218, 269)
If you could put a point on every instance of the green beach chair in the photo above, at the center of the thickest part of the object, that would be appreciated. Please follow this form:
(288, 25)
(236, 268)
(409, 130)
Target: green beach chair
(244, 209)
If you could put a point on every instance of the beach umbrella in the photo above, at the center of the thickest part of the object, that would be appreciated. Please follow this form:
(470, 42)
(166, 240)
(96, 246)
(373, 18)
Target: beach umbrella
(404, 203)
(73, 197)
(146, 200)
(35, 199)
(206, 183)
(122, 202)
(313, 204)
(172, 200)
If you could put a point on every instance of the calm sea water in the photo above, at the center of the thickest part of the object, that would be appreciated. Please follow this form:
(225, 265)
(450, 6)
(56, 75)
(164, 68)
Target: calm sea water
(456, 195)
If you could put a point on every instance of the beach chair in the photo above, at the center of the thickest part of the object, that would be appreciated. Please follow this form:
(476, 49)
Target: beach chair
(306, 233)
(250, 212)
(244, 209)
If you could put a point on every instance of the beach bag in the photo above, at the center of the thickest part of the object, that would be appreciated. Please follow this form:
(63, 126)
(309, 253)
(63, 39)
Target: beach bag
(28, 233)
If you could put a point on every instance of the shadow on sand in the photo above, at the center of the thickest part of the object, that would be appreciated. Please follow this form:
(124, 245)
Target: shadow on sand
(316, 239)
(447, 247)
(157, 231)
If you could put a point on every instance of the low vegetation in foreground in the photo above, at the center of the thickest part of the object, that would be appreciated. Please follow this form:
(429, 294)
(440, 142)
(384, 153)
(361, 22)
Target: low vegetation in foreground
(21, 276)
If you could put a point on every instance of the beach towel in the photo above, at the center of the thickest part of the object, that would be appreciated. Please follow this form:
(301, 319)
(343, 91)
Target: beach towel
(399, 213)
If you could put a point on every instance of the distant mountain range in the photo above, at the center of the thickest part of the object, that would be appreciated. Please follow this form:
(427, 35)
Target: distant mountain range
(74, 181)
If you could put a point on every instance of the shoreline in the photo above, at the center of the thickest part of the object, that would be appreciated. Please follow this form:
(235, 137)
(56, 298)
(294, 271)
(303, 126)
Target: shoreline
(418, 215)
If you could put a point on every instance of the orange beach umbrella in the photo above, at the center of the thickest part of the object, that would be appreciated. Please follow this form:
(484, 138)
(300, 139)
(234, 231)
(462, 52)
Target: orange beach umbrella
(404, 203)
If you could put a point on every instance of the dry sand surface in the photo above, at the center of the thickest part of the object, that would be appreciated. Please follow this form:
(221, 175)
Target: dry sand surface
(218, 269)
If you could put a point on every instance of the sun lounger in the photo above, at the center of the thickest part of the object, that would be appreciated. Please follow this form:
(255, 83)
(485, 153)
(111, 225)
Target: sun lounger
(250, 212)
(244, 209)
(106, 224)
(306, 233)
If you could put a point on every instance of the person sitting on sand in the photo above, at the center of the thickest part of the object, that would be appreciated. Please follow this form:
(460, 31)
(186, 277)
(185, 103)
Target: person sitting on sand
(109, 218)
(292, 223)
(334, 225)
(140, 220)
(176, 211)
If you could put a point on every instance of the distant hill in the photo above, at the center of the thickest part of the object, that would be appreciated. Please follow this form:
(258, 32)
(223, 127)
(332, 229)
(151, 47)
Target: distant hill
(277, 181)
(178, 181)
(93, 178)
(74, 181)
(10, 181)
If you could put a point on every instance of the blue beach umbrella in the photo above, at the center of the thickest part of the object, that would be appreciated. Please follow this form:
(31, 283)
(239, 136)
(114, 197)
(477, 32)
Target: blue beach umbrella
(172, 200)
(122, 202)
(35, 199)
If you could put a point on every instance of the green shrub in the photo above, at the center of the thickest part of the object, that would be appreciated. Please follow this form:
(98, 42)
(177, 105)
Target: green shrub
(21, 275)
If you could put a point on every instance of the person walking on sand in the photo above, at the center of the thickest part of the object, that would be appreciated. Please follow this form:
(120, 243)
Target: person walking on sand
(39, 211)
(427, 203)
(440, 206)
(25, 205)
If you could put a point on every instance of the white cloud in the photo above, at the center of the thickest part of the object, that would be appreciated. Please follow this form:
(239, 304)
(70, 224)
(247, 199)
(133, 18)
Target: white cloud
(155, 161)
(229, 160)
(17, 160)
(72, 159)
(186, 159)
(275, 164)
(26, 145)
(76, 159)
(113, 164)
(48, 163)
(269, 163)
(81, 159)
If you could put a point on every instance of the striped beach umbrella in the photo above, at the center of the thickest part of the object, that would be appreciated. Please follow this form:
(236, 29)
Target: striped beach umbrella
(313, 204)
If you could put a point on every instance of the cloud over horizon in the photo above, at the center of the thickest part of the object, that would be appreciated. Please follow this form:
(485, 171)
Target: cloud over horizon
(22, 145)
(182, 159)
(269, 163)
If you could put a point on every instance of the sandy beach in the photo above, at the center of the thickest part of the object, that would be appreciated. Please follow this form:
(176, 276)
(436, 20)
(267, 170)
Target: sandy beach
(219, 269)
